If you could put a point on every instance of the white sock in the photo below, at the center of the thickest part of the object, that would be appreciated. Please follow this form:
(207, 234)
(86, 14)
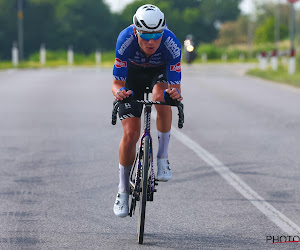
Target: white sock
(163, 144)
(124, 173)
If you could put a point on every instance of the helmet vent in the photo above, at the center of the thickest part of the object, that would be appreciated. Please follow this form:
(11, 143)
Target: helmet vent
(136, 23)
(149, 7)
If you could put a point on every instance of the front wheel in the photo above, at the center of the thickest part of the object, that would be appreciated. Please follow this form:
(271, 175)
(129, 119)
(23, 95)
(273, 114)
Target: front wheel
(143, 192)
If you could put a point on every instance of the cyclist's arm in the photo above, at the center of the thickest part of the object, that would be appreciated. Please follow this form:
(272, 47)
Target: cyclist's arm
(120, 70)
(175, 91)
(174, 67)
(118, 92)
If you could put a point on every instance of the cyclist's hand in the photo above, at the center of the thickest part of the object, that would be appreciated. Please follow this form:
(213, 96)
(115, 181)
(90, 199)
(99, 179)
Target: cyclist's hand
(122, 94)
(174, 94)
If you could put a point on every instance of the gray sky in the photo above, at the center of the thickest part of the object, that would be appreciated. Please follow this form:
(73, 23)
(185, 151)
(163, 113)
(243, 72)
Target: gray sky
(117, 5)
(246, 6)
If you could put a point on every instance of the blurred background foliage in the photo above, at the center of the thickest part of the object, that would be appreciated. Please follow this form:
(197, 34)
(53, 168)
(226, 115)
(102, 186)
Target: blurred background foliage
(88, 25)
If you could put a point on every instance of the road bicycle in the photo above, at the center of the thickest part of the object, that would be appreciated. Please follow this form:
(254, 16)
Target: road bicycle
(142, 177)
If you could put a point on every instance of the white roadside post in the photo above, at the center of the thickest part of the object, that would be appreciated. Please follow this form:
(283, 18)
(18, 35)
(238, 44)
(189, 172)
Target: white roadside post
(98, 57)
(242, 57)
(224, 57)
(203, 57)
(292, 62)
(43, 54)
(15, 55)
(70, 56)
(263, 61)
(274, 60)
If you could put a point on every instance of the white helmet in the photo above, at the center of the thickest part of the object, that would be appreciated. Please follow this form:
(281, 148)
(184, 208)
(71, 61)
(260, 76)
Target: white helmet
(149, 18)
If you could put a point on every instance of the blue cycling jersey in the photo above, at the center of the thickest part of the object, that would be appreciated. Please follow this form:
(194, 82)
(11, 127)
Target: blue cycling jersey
(129, 51)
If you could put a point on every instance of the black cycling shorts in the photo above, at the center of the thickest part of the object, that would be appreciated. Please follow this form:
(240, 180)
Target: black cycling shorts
(138, 78)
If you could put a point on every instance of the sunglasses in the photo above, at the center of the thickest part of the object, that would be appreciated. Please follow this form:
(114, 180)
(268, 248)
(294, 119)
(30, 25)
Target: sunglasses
(149, 36)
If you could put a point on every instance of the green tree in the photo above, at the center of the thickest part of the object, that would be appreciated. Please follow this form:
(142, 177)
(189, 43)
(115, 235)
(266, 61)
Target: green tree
(265, 10)
(265, 32)
(265, 21)
(233, 32)
(39, 25)
(85, 24)
(8, 27)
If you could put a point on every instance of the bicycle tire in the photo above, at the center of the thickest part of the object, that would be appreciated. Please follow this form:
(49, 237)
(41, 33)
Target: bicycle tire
(144, 187)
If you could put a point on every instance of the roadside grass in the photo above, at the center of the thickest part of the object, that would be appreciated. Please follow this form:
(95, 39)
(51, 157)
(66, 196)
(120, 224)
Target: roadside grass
(220, 61)
(280, 76)
(5, 65)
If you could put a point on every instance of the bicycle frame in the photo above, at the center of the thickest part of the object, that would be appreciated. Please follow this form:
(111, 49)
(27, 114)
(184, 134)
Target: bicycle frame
(137, 164)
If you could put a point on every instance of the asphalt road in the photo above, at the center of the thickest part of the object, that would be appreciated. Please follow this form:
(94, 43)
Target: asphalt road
(236, 164)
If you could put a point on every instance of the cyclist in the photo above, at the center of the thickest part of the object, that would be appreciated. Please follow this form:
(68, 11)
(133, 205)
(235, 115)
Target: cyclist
(147, 54)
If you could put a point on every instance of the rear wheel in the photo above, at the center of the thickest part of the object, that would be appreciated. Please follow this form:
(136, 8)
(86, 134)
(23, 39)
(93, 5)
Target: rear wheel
(143, 192)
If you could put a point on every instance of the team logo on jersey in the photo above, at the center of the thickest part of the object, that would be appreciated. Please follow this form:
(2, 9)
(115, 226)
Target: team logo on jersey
(125, 45)
(119, 63)
(172, 47)
(176, 67)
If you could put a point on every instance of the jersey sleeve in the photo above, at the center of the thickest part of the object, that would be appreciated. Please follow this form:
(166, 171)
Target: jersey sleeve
(124, 41)
(173, 47)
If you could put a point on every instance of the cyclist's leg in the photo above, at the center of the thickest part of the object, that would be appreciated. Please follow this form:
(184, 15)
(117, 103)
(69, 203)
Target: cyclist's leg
(163, 122)
(131, 133)
(129, 114)
(164, 113)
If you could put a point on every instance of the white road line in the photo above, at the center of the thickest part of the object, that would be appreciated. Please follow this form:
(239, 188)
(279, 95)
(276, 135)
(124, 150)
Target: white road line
(272, 213)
